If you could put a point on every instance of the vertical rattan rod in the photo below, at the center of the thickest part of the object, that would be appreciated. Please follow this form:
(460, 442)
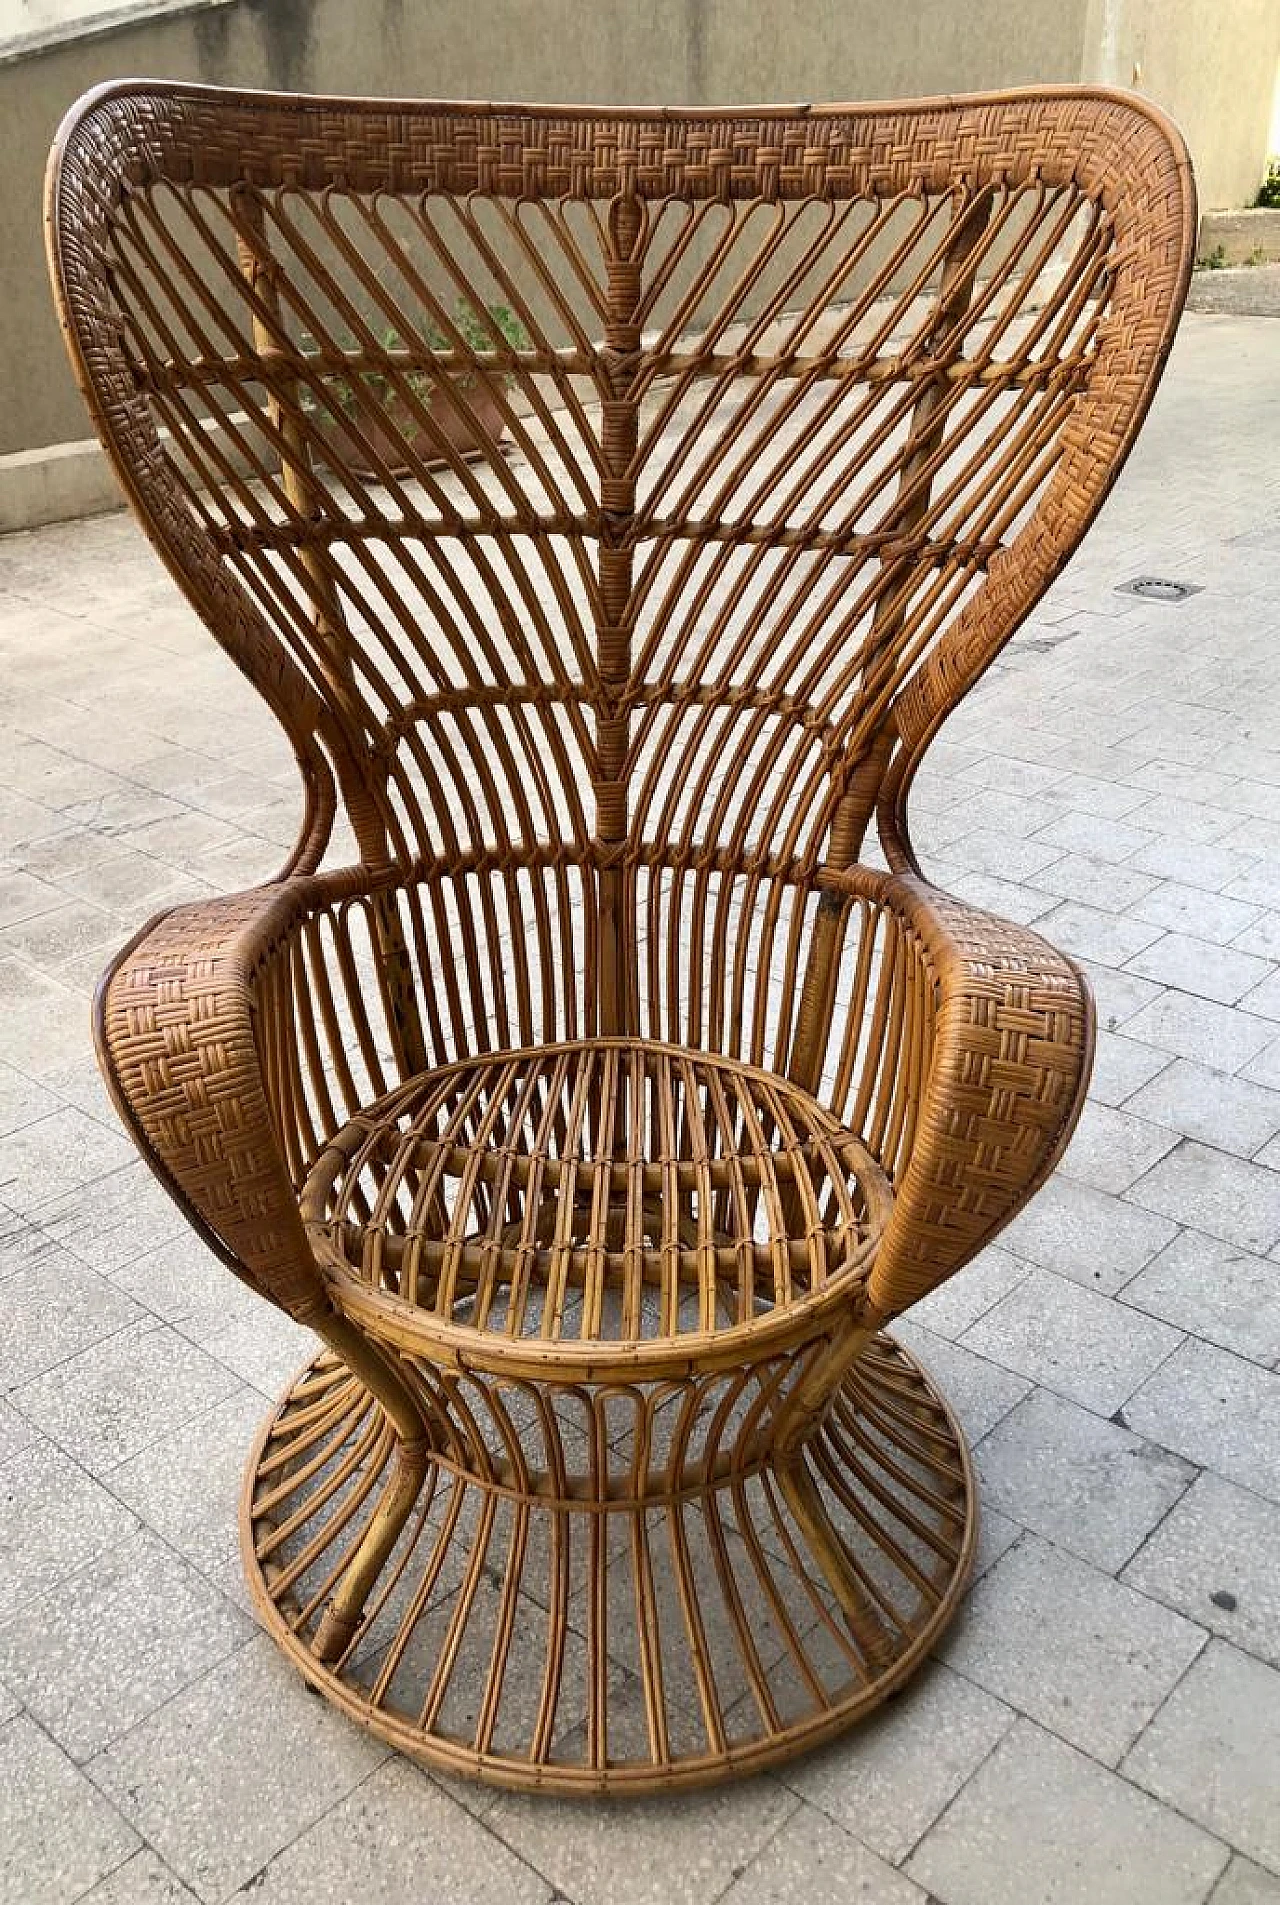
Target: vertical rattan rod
(336, 645)
(619, 430)
(818, 988)
(924, 437)
(259, 267)
(854, 809)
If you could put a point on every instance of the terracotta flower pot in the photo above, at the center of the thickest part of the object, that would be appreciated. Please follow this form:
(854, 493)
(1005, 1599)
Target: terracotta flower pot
(372, 446)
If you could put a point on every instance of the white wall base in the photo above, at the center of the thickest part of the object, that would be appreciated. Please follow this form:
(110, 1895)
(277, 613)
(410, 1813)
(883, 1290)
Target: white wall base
(55, 484)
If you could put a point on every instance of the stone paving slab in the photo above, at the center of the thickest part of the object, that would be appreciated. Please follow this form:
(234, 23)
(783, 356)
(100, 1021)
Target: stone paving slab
(1214, 1749)
(1101, 1730)
(1213, 1290)
(812, 1862)
(231, 1770)
(921, 1752)
(395, 1837)
(1218, 1411)
(152, 1623)
(57, 1833)
(607, 1855)
(1239, 290)
(1088, 1658)
(1041, 1821)
(1216, 1558)
(1073, 1340)
(1246, 1884)
(141, 1880)
(1084, 1483)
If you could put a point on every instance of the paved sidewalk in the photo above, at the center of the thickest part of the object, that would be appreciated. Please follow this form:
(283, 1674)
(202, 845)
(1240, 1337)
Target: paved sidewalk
(1103, 1724)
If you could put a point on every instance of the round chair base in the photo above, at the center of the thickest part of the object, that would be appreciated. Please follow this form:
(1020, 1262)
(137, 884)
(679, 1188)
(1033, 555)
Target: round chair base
(542, 1628)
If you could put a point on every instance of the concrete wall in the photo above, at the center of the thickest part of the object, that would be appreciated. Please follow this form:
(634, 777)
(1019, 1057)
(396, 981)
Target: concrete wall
(664, 52)
(1214, 67)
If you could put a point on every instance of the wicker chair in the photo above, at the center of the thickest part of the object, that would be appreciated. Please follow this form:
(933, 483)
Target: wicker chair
(610, 506)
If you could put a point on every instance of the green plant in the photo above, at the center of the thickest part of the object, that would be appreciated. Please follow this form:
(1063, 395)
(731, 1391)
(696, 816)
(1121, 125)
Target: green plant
(475, 330)
(477, 334)
(1269, 191)
(1215, 260)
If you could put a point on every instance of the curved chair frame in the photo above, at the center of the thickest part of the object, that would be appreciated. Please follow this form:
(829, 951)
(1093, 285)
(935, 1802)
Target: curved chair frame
(600, 1116)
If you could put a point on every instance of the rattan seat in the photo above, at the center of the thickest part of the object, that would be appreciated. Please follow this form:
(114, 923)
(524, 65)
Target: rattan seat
(616, 1203)
(611, 507)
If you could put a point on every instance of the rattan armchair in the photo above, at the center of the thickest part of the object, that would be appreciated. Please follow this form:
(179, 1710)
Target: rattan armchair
(610, 506)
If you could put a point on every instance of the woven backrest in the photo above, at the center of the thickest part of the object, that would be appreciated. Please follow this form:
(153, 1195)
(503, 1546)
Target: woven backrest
(614, 487)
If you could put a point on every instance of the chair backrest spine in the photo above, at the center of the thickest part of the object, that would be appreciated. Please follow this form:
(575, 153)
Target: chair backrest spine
(619, 435)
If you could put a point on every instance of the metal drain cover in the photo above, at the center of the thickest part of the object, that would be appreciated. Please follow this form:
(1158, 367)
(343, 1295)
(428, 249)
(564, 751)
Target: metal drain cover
(1158, 588)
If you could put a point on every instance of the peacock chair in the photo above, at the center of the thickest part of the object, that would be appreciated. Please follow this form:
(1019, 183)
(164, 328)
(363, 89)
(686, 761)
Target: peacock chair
(610, 506)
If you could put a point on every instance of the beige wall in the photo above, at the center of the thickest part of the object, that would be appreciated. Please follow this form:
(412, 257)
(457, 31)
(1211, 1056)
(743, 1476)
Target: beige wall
(1210, 63)
(849, 49)
(664, 51)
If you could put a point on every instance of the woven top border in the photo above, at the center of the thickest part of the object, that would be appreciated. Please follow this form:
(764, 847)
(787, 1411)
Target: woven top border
(189, 134)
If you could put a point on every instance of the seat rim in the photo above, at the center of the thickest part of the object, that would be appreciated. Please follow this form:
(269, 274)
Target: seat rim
(409, 1327)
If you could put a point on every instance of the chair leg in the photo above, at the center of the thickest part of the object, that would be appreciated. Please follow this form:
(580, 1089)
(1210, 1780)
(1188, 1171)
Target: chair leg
(343, 1613)
(400, 1490)
(805, 1503)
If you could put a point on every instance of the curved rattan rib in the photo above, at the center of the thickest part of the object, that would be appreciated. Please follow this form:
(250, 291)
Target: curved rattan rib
(610, 506)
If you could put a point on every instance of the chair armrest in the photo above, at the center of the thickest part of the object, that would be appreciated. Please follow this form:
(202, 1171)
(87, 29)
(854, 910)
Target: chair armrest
(175, 1021)
(1008, 1059)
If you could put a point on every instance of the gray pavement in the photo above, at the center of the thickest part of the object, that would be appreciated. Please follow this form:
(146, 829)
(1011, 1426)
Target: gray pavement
(1237, 291)
(1102, 1724)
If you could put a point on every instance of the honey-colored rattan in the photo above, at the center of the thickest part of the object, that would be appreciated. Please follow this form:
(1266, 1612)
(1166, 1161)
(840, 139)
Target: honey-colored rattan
(611, 506)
